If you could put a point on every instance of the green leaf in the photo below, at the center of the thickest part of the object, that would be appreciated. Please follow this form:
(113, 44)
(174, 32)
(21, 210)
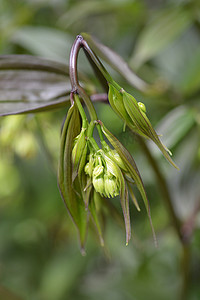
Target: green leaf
(132, 170)
(190, 79)
(128, 161)
(83, 10)
(73, 200)
(125, 208)
(44, 41)
(165, 27)
(31, 84)
(95, 198)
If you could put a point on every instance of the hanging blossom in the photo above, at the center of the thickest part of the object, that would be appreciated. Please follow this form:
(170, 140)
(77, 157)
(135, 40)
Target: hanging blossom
(89, 174)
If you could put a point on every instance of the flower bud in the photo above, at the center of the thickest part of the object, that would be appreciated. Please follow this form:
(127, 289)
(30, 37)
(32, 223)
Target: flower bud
(98, 183)
(116, 101)
(98, 170)
(142, 107)
(111, 186)
(79, 144)
(118, 159)
(90, 165)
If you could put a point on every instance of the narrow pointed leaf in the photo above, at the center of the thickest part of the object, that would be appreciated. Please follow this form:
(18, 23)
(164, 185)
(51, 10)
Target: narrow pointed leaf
(73, 202)
(132, 169)
(135, 202)
(159, 32)
(125, 208)
(94, 215)
(128, 161)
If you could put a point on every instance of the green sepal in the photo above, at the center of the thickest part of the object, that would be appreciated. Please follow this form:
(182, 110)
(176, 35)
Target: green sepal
(125, 207)
(131, 168)
(135, 202)
(116, 171)
(127, 160)
(141, 124)
(77, 152)
(116, 101)
(95, 199)
(73, 202)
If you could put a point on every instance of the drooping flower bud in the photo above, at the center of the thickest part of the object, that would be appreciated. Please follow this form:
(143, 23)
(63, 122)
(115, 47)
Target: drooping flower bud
(98, 170)
(79, 144)
(90, 165)
(98, 183)
(117, 159)
(112, 187)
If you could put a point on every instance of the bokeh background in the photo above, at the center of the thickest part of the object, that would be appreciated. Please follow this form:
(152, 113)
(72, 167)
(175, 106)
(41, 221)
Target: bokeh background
(39, 252)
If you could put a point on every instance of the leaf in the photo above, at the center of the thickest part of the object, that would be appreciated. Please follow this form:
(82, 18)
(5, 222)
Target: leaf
(73, 201)
(190, 79)
(44, 41)
(116, 62)
(159, 33)
(133, 171)
(84, 9)
(125, 208)
(95, 197)
(128, 161)
(30, 84)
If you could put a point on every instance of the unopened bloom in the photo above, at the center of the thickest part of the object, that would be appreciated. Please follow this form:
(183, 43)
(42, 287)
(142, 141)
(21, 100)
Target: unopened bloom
(133, 114)
(104, 175)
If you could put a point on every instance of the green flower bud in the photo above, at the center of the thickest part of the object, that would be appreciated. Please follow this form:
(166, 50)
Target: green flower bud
(116, 101)
(98, 170)
(98, 183)
(79, 144)
(90, 165)
(118, 159)
(111, 186)
(142, 107)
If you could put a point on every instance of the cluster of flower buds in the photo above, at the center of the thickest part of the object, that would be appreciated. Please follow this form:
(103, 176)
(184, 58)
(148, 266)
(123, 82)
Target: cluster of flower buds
(88, 173)
(104, 173)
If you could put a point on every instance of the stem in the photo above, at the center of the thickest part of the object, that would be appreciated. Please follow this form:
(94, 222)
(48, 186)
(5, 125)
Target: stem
(73, 62)
(99, 97)
(185, 268)
(76, 88)
(81, 110)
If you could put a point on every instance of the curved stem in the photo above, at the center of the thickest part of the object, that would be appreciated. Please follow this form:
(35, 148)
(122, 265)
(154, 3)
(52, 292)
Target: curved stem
(73, 62)
(76, 88)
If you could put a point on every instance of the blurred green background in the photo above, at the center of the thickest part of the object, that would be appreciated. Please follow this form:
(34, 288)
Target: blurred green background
(39, 251)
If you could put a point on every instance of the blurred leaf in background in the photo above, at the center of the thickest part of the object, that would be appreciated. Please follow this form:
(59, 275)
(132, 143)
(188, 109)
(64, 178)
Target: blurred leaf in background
(39, 255)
